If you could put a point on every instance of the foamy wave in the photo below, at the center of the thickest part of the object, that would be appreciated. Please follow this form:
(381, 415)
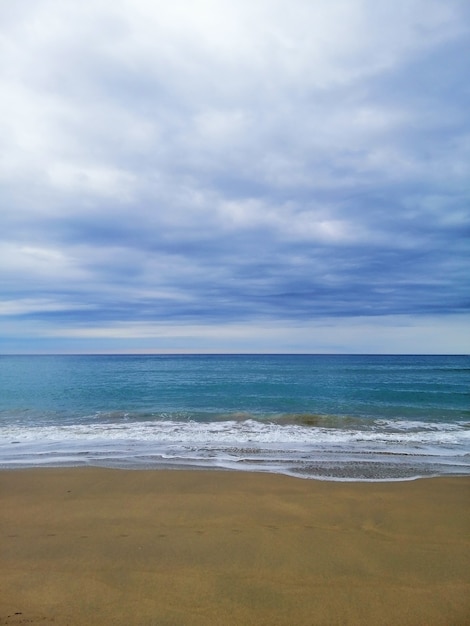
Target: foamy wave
(246, 431)
(384, 452)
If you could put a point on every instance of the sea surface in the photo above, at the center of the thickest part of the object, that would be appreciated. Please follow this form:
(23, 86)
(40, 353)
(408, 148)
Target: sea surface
(331, 417)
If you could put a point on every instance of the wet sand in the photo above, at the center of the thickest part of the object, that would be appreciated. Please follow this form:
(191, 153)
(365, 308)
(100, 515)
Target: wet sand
(159, 548)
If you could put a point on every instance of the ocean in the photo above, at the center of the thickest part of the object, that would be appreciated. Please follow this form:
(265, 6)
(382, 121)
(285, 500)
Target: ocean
(329, 417)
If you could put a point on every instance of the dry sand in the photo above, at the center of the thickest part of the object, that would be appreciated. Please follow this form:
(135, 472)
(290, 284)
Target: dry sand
(112, 547)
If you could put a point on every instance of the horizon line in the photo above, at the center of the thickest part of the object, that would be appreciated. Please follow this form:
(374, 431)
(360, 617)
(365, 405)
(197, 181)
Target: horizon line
(150, 354)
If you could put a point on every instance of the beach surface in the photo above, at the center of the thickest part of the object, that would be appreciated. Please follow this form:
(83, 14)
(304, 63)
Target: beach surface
(99, 546)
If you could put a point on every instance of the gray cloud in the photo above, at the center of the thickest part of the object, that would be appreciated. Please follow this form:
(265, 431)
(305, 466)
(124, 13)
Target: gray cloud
(216, 163)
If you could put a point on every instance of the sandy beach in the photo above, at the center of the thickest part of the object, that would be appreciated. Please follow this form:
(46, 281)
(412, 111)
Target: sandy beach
(97, 546)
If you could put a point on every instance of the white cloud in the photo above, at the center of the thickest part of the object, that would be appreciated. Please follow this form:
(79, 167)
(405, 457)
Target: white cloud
(28, 306)
(29, 264)
(215, 152)
(389, 334)
(104, 98)
(102, 181)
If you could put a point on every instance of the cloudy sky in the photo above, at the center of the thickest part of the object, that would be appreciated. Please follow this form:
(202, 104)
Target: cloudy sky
(235, 176)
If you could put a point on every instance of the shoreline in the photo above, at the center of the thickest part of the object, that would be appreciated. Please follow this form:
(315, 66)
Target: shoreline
(192, 547)
(182, 467)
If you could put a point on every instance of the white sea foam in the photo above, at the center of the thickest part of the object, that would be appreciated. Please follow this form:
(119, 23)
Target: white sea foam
(384, 451)
(393, 432)
(324, 417)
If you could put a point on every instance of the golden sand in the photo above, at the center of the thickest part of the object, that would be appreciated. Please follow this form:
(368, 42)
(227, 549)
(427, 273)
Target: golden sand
(159, 548)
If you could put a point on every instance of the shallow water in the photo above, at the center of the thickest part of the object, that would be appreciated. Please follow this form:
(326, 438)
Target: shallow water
(319, 416)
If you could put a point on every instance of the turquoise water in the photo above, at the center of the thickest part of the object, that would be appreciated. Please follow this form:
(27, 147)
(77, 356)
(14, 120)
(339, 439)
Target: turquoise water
(320, 416)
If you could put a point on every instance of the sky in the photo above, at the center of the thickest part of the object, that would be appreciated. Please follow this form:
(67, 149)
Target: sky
(235, 176)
